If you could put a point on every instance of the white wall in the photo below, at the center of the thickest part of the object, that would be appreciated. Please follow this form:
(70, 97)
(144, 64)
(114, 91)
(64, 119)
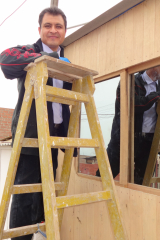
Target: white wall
(5, 152)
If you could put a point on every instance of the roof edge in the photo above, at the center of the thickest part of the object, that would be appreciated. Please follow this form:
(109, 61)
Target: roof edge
(105, 17)
(6, 138)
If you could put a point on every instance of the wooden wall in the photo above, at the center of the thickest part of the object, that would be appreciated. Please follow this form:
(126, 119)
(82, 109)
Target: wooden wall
(140, 211)
(130, 39)
(127, 40)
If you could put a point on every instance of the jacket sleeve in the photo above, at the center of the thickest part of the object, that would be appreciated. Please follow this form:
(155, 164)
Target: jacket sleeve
(143, 103)
(14, 60)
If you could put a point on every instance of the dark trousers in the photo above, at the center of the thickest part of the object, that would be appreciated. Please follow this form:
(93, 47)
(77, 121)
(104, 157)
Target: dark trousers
(143, 143)
(27, 209)
(142, 146)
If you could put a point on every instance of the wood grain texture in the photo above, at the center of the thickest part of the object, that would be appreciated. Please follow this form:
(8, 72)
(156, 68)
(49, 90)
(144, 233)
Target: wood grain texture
(127, 40)
(31, 188)
(140, 211)
(124, 127)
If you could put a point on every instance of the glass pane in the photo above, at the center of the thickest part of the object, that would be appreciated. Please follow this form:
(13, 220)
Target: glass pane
(104, 96)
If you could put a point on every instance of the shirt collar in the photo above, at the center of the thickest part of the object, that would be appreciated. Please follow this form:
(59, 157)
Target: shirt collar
(147, 79)
(48, 50)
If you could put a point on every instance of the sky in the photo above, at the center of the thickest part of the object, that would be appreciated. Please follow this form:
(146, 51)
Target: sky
(22, 28)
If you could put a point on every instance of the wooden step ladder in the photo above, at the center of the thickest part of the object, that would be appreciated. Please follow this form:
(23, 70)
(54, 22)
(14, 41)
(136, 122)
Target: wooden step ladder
(155, 148)
(82, 91)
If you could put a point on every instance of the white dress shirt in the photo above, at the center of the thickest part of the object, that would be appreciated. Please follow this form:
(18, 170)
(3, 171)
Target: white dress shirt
(57, 107)
(149, 116)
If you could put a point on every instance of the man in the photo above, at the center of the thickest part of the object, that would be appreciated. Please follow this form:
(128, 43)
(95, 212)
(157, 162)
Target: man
(147, 92)
(27, 209)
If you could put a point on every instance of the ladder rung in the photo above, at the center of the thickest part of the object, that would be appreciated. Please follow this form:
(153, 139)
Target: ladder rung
(63, 142)
(22, 231)
(155, 180)
(30, 142)
(85, 198)
(62, 202)
(59, 93)
(73, 142)
(31, 188)
(63, 101)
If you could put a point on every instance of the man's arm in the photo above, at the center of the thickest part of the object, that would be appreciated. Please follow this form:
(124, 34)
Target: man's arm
(143, 103)
(14, 60)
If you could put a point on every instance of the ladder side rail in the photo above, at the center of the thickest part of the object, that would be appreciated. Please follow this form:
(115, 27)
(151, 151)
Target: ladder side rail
(47, 175)
(103, 162)
(16, 150)
(153, 152)
(72, 131)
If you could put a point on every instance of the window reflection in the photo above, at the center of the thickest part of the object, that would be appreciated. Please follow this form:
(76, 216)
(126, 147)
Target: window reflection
(147, 93)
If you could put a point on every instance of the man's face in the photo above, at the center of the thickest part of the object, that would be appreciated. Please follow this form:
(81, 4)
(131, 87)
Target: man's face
(154, 73)
(52, 31)
(157, 72)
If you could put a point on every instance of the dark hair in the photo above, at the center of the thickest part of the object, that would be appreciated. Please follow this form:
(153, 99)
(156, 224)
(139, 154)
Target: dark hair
(53, 11)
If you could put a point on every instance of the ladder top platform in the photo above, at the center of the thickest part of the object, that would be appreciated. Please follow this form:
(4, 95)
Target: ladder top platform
(63, 70)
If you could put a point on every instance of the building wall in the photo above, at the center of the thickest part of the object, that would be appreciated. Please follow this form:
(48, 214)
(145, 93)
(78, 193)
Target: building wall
(5, 153)
(89, 169)
(140, 211)
(5, 122)
(127, 40)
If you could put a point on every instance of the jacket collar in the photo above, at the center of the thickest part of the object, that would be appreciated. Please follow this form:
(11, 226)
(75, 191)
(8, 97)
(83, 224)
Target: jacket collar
(39, 48)
(139, 77)
(38, 45)
(143, 83)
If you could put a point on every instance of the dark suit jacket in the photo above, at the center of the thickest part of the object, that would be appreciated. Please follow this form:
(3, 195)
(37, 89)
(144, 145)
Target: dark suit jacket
(13, 61)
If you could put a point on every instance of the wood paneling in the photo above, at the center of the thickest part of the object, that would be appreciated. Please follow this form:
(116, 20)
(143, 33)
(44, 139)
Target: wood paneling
(127, 40)
(140, 212)
(157, 25)
(124, 126)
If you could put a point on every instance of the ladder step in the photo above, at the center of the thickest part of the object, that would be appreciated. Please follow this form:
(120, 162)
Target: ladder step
(64, 67)
(22, 231)
(63, 94)
(155, 180)
(31, 188)
(62, 202)
(62, 101)
(73, 142)
(65, 142)
(85, 198)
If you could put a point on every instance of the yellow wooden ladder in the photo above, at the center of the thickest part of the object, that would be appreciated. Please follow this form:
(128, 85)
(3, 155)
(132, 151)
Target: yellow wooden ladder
(82, 91)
